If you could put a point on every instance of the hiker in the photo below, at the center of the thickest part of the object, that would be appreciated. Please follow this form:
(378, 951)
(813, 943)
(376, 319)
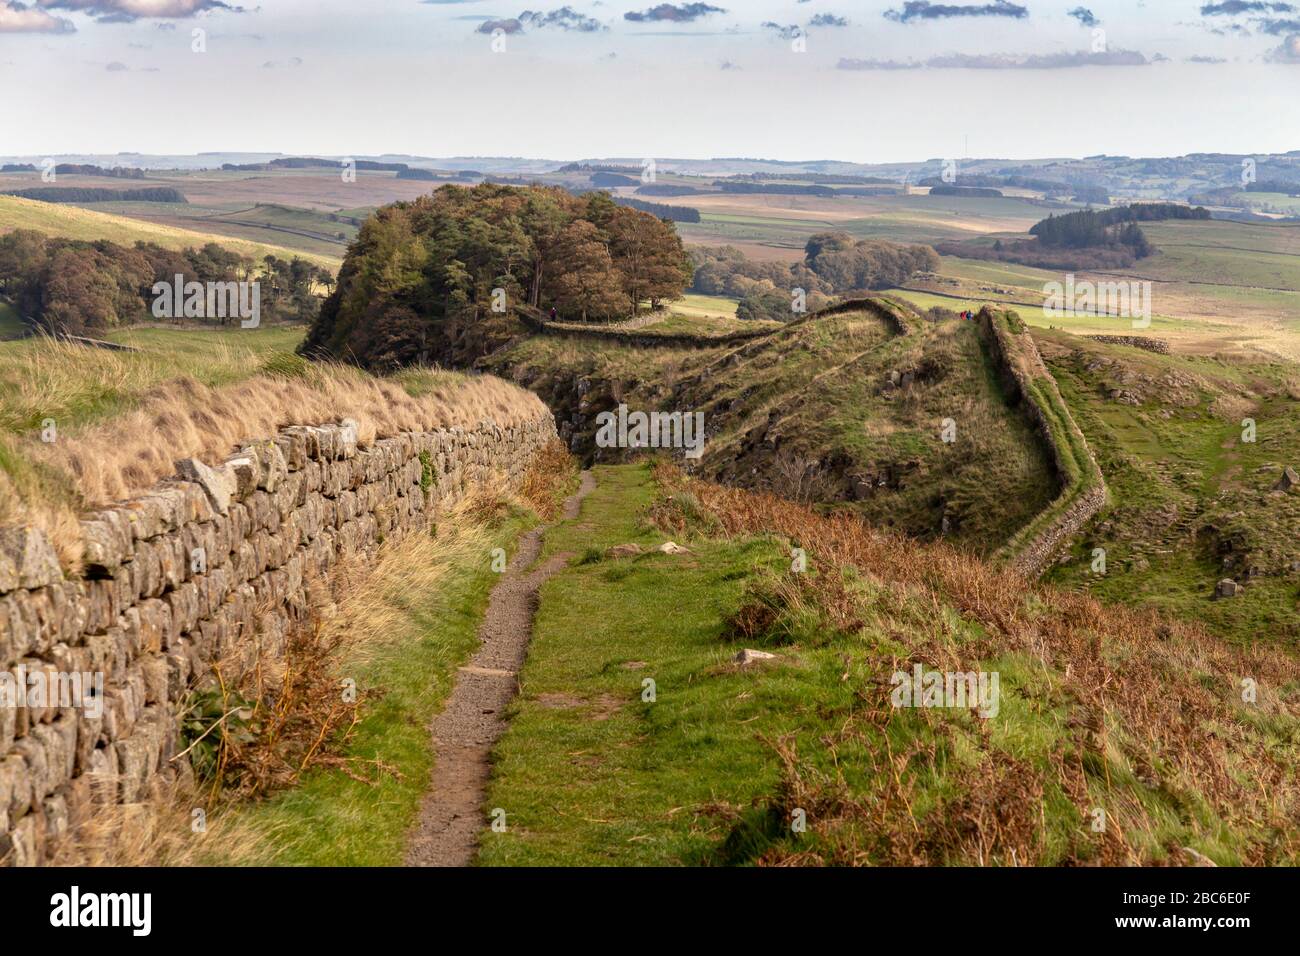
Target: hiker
(554, 314)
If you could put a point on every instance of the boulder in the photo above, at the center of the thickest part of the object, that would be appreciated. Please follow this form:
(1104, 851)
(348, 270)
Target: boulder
(750, 656)
(1226, 588)
(1288, 480)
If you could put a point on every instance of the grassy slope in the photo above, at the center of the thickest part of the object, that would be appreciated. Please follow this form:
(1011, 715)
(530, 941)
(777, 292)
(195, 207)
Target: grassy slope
(79, 386)
(813, 394)
(712, 770)
(1191, 501)
(58, 219)
(818, 393)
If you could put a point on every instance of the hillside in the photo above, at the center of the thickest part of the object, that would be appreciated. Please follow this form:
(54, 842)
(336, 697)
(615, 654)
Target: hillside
(74, 222)
(835, 408)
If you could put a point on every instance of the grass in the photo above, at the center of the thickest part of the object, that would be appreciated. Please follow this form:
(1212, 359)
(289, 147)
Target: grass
(72, 222)
(807, 412)
(413, 623)
(1191, 501)
(714, 769)
(1076, 469)
(589, 773)
(122, 419)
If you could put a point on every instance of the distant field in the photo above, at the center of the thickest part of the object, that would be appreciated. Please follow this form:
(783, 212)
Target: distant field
(305, 231)
(704, 306)
(76, 223)
(788, 221)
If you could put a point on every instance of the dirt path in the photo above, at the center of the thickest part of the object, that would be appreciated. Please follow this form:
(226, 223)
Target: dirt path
(446, 833)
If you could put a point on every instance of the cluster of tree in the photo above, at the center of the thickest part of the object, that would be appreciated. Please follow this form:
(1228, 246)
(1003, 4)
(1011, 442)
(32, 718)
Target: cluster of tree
(1288, 187)
(1050, 187)
(1079, 241)
(661, 210)
(424, 174)
(75, 286)
(80, 169)
(420, 273)
(834, 263)
(772, 189)
(17, 168)
(1033, 253)
(847, 264)
(83, 194)
(613, 179)
(667, 189)
(1088, 229)
(947, 189)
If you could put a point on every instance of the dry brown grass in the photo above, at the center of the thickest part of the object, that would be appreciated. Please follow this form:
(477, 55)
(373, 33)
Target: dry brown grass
(1156, 697)
(127, 453)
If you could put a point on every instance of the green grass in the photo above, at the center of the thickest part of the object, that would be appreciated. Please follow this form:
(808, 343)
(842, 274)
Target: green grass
(592, 771)
(705, 306)
(331, 819)
(1186, 491)
(79, 386)
(605, 778)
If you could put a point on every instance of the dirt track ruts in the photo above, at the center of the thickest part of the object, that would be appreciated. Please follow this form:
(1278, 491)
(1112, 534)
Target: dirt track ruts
(452, 815)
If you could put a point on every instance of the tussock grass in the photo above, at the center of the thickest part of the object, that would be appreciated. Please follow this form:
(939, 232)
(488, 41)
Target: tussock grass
(123, 419)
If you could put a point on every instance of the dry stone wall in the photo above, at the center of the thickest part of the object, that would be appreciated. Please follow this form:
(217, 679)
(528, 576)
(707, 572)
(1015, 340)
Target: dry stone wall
(188, 574)
(1083, 488)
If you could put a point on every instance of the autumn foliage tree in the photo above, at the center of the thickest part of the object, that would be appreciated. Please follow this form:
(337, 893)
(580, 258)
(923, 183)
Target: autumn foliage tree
(421, 271)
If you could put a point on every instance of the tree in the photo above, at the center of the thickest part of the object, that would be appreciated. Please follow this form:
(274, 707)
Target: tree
(585, 279)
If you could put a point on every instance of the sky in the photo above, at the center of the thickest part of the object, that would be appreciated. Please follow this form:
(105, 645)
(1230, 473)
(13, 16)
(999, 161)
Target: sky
(864, 81)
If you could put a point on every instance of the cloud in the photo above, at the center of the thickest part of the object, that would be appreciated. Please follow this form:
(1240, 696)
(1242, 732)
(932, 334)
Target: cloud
(851, 64)
(566, 18)
(19, 18)
(1205, 59)
(728, 65)
(505, 26)
(786, 32)
(925, 10)
(1288, 52)
(1006, 61)
(1084, 16)
(126, 11)
(1231, 8)
(292, 63)
(1276, 28)
(116, 67)
(828, 20)
(672, 13)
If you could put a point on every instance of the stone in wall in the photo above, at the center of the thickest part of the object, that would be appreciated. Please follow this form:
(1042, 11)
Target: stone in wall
(192, 571)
